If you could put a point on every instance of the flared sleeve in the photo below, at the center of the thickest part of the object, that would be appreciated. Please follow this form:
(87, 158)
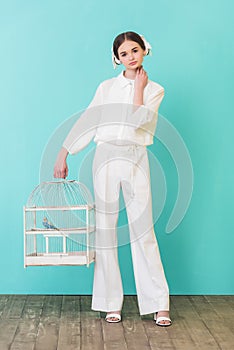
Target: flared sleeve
(84, 129)
(148, 112)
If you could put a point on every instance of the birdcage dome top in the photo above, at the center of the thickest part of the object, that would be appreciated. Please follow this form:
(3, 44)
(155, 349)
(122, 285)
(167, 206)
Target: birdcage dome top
(60, 193)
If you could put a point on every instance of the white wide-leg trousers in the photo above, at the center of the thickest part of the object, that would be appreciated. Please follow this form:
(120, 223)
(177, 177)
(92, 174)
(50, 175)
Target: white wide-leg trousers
(126, 166)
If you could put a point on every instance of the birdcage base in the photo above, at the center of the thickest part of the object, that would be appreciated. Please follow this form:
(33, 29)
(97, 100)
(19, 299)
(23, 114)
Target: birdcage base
(48, 259)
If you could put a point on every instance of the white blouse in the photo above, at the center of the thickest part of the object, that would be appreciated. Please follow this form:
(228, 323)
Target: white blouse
(112, 117)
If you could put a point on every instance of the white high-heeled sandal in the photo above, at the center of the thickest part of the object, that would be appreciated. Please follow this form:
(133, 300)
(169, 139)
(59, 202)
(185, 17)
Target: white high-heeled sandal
(162, 318)
(113, 315)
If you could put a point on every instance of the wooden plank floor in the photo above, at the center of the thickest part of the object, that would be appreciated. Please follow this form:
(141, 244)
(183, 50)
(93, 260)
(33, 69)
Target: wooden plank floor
(57, 322)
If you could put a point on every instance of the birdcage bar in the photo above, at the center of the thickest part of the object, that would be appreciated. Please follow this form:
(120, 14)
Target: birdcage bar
(25, 237)
(87, 235)
(64, 245)
(62, 230)
(34, 238)
(74, 207)
(47, 244)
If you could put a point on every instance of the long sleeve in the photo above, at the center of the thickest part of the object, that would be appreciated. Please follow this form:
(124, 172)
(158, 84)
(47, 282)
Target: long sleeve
(84, 129)
(149, 111)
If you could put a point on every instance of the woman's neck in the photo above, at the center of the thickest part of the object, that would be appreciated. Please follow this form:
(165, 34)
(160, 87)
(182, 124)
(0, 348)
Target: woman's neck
(130, 74)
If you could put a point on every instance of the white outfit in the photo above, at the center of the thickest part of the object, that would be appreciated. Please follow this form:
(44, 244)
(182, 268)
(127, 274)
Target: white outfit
(109, 116)
(122, 132)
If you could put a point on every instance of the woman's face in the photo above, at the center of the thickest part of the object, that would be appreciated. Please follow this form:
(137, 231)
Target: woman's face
(131, 54)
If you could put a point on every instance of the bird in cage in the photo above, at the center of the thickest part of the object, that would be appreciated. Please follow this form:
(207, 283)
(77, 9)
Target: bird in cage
(48, 224)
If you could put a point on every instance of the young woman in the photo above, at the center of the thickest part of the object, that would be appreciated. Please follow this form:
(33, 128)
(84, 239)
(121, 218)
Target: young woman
(123, 122)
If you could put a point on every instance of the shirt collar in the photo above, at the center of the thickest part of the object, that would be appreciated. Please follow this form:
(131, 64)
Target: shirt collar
(122, 80)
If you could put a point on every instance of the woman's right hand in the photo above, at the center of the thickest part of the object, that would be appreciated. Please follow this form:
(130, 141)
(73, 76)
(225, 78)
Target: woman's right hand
(60, 167)
(141, 79)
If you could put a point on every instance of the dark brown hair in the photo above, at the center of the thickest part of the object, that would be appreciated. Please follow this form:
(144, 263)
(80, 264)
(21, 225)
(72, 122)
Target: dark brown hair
(127, 36)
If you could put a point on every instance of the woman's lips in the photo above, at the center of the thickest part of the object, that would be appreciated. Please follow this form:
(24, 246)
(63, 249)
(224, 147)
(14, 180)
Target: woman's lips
(132, 63)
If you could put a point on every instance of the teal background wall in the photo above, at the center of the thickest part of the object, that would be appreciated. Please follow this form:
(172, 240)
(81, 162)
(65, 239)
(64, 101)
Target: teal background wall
(53, 56)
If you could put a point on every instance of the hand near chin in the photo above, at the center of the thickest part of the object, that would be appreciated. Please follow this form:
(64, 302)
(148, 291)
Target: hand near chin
(141, 79)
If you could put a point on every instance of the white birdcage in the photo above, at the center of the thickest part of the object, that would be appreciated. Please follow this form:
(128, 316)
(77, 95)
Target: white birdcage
(59, 225)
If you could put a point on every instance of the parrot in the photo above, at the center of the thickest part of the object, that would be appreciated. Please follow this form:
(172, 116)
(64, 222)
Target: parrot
(48, 224)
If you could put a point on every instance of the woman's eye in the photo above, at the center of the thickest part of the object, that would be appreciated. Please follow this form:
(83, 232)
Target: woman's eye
(123, 54)
(135, 50)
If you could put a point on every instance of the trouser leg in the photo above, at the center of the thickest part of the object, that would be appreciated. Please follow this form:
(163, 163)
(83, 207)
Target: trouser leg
(107, 285)
(151, 284)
